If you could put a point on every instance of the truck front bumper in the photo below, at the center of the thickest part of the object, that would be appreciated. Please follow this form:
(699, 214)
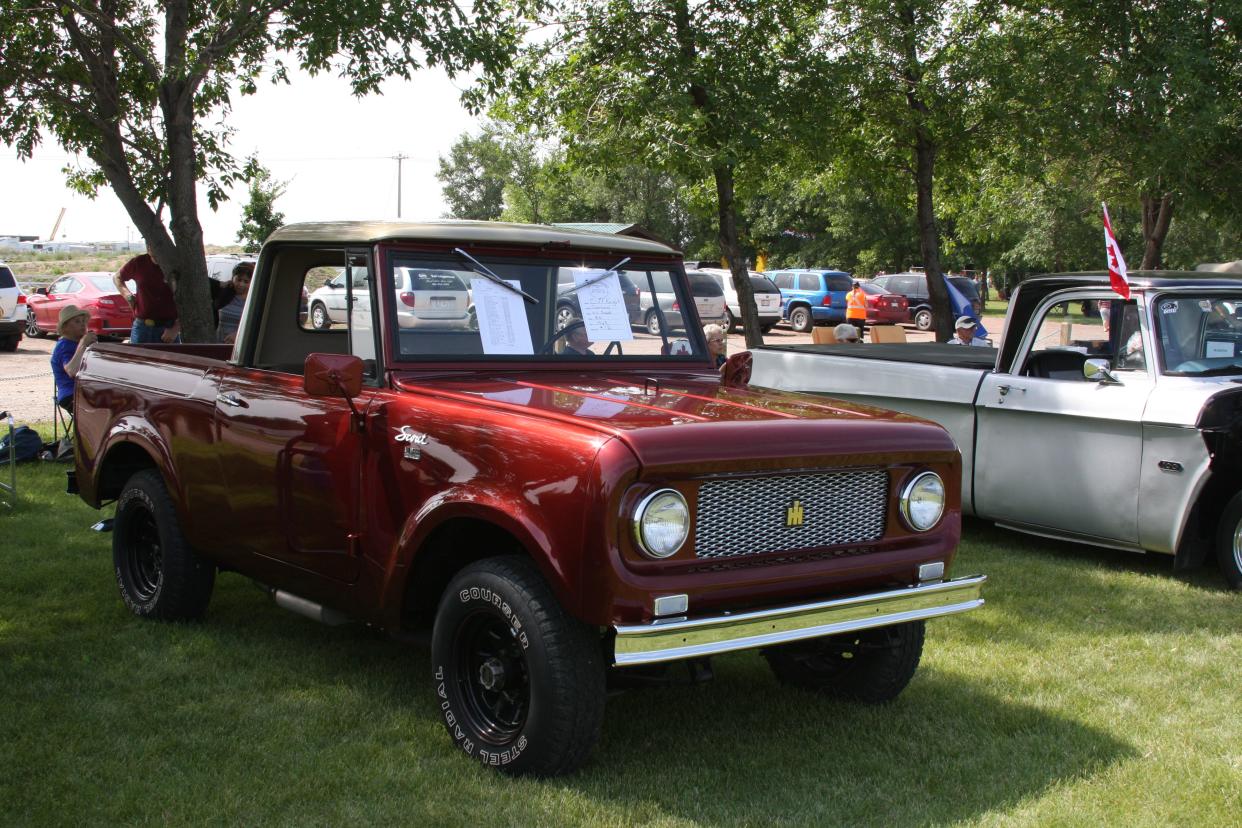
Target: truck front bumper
(679, 638)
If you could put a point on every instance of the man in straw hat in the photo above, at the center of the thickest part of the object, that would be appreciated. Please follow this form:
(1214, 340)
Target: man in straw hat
(68, 353)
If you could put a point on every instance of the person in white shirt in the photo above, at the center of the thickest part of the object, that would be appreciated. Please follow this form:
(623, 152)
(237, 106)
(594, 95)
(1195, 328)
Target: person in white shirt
(965, 327)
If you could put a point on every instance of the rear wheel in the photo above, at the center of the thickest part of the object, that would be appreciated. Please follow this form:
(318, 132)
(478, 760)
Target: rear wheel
(1229, 542)
(800, 319)
(731, 323)
(653, 323)
(870, 666)
(320, 320)
(520, 683)
(923, 319)
(564, 315)
(159, 575)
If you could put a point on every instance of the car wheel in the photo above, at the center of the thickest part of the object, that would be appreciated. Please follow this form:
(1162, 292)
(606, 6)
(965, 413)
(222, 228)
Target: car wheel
(923, 320)
(731, 323)
(520, 683)
(800, 320)
(767, 329)
(564, 315)
(320, 320)
(870, 666)
(1229, 542)
(653, 323)
(10, 343)
(32, 327)
(159, 575)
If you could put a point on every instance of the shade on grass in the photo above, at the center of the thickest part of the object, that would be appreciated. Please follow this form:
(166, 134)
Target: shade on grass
(1094, 688)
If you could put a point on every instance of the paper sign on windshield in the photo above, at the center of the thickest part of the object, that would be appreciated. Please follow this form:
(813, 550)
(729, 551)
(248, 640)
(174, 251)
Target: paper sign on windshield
(502, 318)
(603, 307)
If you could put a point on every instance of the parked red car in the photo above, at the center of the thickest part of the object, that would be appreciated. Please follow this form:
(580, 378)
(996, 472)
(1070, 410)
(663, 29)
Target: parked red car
(93, 291)
(884, 308)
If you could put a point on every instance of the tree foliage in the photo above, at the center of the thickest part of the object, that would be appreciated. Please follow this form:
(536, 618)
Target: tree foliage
(259, 217)
(142, 89)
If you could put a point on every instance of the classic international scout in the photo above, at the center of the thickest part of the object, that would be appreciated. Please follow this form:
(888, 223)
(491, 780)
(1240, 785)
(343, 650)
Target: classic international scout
(1110, 422)
(554, 502)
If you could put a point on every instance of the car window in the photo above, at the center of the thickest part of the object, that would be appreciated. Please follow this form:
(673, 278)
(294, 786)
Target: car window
(900, 284)
(6, 278)
(783, 280)
(872, 289)
(839, 282)
(762, 284)
(435, 280)
(702, 284)
(1071, 331)
(965, 285)
(103, 284)
(60, 285)
(809, 281)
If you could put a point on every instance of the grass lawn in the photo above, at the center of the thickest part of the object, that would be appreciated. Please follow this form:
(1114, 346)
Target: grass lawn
(1095, 688)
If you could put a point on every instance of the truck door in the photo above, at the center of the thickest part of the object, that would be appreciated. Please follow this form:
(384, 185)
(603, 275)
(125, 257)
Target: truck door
(292, 461)
(1054, 449)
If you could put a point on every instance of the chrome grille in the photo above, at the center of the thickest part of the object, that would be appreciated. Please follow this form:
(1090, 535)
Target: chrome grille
(748, 515)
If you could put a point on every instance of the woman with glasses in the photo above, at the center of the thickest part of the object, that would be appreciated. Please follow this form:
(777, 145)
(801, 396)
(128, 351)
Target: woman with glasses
(715, 343)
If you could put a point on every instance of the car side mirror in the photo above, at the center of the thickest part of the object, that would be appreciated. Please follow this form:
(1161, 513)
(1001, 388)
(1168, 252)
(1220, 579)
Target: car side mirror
(1098, 370)
(332, 375)
(735, 373)
(41, 291)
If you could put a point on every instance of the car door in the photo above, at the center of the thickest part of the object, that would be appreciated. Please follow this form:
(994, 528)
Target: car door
(59, 294)
(291, 461)
(1058, 451)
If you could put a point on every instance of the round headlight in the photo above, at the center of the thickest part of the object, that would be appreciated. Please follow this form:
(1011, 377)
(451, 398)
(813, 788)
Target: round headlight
(661, 523)
(922, 501)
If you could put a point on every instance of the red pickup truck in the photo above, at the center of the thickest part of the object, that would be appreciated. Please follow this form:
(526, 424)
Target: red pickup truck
(558, 500)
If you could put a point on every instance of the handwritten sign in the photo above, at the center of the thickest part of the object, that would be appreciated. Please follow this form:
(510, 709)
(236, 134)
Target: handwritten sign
(502, 318)
(603, 306)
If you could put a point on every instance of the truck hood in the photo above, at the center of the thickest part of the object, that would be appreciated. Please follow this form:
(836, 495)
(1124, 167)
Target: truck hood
(666, 419)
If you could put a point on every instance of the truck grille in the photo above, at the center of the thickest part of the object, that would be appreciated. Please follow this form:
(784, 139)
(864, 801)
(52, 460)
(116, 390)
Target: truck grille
(774, 514)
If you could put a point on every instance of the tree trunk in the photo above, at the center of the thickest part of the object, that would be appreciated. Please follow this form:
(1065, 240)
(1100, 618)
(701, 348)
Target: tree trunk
(929, 238)
(727, 213)
(1157, 213)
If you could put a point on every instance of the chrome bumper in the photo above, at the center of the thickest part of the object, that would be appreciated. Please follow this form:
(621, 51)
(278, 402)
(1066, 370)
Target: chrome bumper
(692, 638)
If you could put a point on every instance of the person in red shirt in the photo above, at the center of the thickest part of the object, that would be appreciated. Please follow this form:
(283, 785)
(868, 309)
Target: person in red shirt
(155, 310)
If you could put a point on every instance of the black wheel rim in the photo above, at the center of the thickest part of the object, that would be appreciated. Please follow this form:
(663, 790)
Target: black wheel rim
(492, 677)
(143, 556)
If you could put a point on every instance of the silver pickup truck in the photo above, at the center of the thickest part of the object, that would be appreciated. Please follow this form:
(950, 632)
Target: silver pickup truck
(1099, 420)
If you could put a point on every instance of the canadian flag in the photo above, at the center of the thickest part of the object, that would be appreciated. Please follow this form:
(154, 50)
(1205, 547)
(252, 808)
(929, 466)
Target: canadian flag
(1116, 262)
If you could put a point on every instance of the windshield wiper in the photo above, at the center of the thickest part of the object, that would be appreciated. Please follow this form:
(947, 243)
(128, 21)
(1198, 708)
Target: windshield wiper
(601, 277)
(479, 267)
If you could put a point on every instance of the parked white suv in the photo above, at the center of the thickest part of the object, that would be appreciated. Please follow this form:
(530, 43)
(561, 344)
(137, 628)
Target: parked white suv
(425, 299)
(708, 297)
(767, 299)
(12, 310)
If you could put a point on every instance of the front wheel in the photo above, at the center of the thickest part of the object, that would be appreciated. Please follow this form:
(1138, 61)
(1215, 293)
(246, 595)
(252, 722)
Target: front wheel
(519, 682)
(923, 320)
(32, 327)
(870, 666)
(653, 323)
(731, 323)
(320, 320)
(564, 315)
(159, 575)
(1229, 542)
(800, 320)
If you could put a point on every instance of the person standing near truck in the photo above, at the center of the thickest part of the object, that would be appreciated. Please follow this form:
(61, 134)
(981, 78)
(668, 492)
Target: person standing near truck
(155, 310)
(856, 309)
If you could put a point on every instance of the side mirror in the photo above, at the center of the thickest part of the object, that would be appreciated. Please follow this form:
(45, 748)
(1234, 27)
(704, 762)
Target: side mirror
(1097, 370)
(735, 373)
(332, 375)
(41, 291)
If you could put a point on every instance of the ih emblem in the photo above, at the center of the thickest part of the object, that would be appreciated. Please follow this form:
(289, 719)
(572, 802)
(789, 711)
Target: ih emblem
(794, 514)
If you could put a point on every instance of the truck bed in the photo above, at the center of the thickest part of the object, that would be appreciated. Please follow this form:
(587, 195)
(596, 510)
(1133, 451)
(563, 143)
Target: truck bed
(936, 381)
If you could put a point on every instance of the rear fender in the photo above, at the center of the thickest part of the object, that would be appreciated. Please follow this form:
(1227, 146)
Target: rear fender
(131, 444)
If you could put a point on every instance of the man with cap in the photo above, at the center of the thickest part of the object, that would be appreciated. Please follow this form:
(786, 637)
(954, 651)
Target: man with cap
(966, 333)
(856, 309)
(68, 353)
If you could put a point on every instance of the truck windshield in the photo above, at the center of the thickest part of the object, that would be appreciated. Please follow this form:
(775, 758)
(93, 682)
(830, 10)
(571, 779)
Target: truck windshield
(445, 308)
(1199, 335)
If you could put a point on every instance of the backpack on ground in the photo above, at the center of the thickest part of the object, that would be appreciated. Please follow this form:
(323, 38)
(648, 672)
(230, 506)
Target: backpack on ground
(25, 442)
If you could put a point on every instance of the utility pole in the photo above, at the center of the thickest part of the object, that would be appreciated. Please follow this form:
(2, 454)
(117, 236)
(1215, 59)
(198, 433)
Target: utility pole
(399, 157)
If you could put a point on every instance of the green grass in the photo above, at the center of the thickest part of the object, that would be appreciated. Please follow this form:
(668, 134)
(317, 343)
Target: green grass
(1094, 688)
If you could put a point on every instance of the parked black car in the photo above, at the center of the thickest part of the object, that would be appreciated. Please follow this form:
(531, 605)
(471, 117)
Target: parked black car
(913, 286)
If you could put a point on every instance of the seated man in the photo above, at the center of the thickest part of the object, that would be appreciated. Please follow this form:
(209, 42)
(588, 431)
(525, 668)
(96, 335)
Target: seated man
(965, 329)
(576, 342)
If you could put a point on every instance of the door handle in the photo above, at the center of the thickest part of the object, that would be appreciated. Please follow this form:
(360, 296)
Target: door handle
(1005, 389)
(232, 400)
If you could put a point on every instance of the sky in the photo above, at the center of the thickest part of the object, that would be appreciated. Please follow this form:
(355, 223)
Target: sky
(334, 150)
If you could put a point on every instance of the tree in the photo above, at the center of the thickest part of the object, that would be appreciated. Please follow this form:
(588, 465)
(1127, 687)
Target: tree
(259, 216)
(918, 86)
(705, 92)
(142, 90)
(473, 176)
(1152, 92)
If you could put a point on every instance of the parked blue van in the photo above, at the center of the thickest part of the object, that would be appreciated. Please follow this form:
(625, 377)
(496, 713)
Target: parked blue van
(811, 297)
